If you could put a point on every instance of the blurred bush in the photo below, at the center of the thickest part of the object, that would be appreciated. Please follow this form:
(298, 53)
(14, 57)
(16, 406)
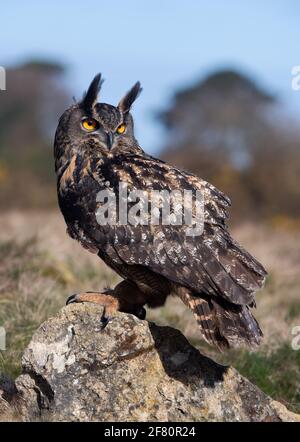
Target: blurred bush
(225, 128)
(234, 134)
(29, 110)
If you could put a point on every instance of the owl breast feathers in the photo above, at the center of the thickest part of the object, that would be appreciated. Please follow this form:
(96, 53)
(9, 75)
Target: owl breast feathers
(212, 274)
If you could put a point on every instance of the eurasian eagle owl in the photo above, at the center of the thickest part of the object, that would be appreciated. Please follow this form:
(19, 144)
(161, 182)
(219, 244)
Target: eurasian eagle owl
(95, 150)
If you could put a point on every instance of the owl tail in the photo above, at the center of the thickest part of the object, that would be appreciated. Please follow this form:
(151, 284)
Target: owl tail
(223, 324)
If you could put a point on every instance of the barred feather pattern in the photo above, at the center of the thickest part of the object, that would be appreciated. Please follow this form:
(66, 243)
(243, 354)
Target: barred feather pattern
(222, 324)
(212, 273)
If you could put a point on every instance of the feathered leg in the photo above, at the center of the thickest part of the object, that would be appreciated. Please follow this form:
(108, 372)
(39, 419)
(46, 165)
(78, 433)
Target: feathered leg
(115, 300)
(223, 324)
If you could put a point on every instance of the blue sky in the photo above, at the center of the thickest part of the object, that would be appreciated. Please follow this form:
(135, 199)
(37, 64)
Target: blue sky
(165, 44)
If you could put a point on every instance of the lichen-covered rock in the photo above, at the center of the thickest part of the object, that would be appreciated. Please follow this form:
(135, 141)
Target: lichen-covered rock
(130, 371)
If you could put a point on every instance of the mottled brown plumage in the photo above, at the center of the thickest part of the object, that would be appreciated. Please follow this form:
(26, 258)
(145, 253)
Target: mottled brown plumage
(211, 273)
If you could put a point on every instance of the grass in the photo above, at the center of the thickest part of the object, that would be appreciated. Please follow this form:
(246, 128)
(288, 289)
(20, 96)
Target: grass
(277, 373)
(28, 297)
(40, 267)
(34, 285)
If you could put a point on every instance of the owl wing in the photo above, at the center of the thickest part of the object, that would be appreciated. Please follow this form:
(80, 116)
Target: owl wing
(211, 263)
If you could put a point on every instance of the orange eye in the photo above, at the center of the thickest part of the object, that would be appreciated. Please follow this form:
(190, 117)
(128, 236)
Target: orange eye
(89, 124)
(121, 129)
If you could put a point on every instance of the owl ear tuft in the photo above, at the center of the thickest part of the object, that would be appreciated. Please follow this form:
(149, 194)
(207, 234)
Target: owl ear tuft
(127, 101)
(90, 97)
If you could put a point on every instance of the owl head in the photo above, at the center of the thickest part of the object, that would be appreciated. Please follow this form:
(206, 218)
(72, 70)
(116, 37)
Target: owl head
(100, 125)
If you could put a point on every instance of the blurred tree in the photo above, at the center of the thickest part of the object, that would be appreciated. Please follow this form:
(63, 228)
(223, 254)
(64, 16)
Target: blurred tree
(29, 110)
(226, 130)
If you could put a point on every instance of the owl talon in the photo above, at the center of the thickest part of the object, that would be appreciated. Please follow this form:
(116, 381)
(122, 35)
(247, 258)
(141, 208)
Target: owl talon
(141, 313)
(105, 319)
(71, 299)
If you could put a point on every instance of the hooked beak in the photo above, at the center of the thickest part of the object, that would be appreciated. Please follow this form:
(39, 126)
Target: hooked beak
(110, 139)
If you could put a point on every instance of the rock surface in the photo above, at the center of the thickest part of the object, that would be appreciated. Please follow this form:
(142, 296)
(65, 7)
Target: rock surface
(131, 371)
